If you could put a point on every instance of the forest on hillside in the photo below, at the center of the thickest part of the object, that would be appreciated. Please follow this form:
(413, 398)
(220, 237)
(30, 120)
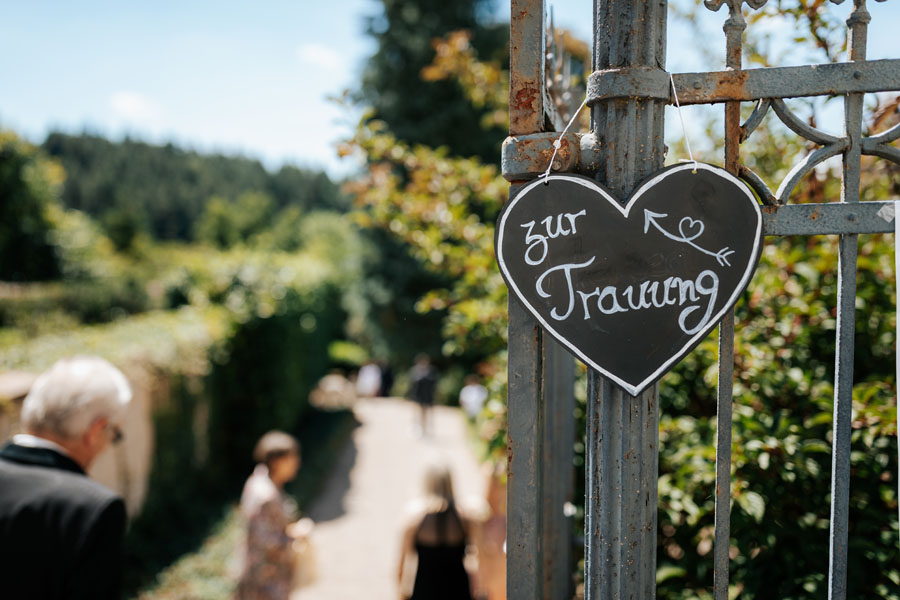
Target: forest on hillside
(132, 187)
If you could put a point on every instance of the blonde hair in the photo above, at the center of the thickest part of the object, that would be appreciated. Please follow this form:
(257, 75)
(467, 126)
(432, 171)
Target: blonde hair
(66, 399)
(438, 488)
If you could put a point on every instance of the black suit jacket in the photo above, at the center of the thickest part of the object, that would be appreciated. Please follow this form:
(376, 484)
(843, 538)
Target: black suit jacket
(60, 532)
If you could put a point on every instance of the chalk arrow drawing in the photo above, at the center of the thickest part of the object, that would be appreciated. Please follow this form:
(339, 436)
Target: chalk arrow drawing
(688, 230)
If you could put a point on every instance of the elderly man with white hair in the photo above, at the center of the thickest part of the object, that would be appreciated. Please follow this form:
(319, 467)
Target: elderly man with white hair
(60, 532)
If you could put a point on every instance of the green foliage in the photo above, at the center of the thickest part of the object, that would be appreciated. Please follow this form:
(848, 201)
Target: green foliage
(272, 365)
(433, 112)
(185, 498)
(782, 435)
(168, 340)
(122, 227)
(27, 185)
(225, 223)
(393, 328)
(347, 353)
(285, 232)
(203, 573)
(440, 208)
(217, 225)
(444, 208)
(134, 187)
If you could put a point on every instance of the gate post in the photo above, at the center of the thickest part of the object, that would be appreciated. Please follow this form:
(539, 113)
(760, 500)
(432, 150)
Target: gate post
(623, 431)
(540, 474)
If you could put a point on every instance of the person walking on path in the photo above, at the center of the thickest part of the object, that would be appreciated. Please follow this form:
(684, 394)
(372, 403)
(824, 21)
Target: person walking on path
(271, 521)
(422, 383)
(363, 507)
(472, 396)
(60, 532)
(437, 536)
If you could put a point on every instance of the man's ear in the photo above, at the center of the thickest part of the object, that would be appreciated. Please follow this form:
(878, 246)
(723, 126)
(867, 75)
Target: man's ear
(94, 436)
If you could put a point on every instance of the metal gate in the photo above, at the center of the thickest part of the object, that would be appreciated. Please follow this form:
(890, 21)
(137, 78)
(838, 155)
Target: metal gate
(627, 93)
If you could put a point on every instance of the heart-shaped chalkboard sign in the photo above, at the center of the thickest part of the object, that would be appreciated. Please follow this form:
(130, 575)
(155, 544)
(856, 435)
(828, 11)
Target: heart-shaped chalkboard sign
(631, 288)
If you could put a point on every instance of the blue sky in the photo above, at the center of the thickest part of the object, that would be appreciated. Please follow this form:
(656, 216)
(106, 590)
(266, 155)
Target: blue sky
(223, 75)
(236, 77)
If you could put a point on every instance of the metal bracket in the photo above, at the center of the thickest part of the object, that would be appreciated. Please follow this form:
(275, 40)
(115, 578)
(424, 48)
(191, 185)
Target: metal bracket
(652, 83)
(629, 82)
(524, 157)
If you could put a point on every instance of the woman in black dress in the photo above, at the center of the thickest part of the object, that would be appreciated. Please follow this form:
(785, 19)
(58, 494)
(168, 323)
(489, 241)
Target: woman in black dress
(437, 536)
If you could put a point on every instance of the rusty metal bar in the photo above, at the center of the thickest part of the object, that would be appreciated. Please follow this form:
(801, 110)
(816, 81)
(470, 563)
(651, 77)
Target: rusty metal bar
(734, 30)
(724, 411)
(525, 410)
(788, 82)
(646, 82)
(801, 169)
(623, 431)
(712, 87)
(524, 157)
(541, 394)
(897, 357)
(526, 66)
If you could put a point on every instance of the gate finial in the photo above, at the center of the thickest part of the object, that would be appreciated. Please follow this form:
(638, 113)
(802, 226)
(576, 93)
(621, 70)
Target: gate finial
(735, 5)
(734, 26)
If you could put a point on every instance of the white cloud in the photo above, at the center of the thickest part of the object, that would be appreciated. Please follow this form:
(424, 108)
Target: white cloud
(133, 106)
(321, 56)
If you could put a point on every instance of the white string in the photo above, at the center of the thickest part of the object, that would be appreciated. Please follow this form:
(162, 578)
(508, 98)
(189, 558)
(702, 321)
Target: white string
(557, 143)
(681, 118)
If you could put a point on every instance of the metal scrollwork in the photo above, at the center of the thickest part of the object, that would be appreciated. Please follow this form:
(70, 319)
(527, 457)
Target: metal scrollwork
(758, 185)
(806, 165)
(829, 145)
(755, 118)
(880, 145)
(798, 126)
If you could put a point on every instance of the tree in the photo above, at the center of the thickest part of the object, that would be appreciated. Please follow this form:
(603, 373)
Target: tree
(429, 110)
(132, 187)
(28, 183)
(435, 112)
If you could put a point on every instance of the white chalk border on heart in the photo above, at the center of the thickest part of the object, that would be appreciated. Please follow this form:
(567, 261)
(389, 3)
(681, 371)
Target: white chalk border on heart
(639, 190)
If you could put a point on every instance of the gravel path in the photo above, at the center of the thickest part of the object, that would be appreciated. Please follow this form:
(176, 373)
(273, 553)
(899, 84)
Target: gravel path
(361, 510)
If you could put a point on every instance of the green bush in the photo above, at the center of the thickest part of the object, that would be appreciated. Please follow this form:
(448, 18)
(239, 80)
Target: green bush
(783, 407)
(28, 182)
(264, 372)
